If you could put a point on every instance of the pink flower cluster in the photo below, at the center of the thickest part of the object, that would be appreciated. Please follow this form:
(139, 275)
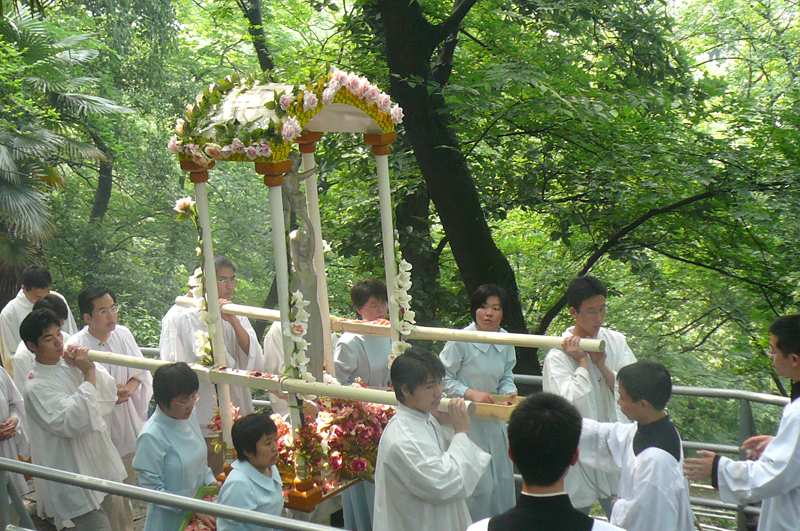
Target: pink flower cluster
(361, 88)
(213, 151)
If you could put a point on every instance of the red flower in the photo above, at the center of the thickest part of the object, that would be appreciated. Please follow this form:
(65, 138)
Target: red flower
(359, 465)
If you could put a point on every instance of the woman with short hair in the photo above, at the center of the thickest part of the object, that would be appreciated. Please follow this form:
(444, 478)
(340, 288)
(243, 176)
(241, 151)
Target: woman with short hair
(254, 482)
(171, 451)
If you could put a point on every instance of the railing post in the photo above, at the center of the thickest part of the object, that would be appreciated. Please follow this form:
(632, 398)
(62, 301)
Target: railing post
(747, 428)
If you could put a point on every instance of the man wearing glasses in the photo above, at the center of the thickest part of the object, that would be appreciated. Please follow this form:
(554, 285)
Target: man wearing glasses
(242, 346)
(587, 380)
(99, 310)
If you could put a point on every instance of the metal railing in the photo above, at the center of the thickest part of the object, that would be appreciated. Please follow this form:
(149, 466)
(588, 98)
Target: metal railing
(747, 428)
(159, 497)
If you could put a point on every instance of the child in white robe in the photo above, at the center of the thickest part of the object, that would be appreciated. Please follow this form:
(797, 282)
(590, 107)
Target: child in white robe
(543, 434)
(422, 477)
(774, 474)
(653, 493)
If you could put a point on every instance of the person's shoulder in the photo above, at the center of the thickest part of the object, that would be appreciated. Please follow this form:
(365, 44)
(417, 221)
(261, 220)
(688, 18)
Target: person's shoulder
(612, 335)
(9, 307)
(600, 525)
(480, 525)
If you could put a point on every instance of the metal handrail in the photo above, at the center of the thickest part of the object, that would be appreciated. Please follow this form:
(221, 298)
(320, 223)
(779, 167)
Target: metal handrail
(158, 497)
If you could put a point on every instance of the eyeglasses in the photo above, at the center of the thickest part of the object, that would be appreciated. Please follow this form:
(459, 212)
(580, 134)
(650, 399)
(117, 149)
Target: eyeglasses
(226, 280)
(105, 312)
(187, 400)
(593, 312)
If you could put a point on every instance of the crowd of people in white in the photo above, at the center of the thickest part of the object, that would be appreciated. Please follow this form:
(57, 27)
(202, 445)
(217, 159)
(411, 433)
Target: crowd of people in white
(599, 432)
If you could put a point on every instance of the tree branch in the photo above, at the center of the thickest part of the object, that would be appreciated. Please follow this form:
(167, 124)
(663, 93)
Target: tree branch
(451, 24)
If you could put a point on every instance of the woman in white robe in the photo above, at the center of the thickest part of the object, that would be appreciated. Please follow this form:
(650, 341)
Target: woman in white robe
(475, 371)
(171, 452)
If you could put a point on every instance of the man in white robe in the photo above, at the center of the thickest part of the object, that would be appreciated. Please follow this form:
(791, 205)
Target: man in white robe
(773, 476)
(423, 477)
(24, 360)
(67, 398)
(36, 282)
(102, 332)
(543, 435)
(242, 346)
(587, 380)
(653, 492)
(168, 340)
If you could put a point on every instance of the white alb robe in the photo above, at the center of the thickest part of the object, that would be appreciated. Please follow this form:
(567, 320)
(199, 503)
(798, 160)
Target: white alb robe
(127, 419)
(588, 392)
(11, 405)
(24, 360)
(773, 478)
(168, 340)
(273, 364)
(422, 479)
(653, 492)
(11, 317)
(189, 323)
(66, 429)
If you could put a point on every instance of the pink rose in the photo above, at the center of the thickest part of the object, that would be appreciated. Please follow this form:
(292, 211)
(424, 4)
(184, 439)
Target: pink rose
(359, 465)
(335, 460)
(385, 102)
(328, 94)
(310, 101)
(286, 101)
(174, 145)
(251, 152)
(213, 151)
(396, 113)
(340, 78)
(264, 150)
(372, 94)
(237, 146)
(354, 84)
(291, 129)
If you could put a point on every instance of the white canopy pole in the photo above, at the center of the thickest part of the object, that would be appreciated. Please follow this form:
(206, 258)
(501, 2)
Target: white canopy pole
(214, 316)
(307, 146)
(381, 147)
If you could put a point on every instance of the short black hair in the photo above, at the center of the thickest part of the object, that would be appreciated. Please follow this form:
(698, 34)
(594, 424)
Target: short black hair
(543, 434)
(482, 294)
(364, 289)
(173, 380)
(221, 261)
(248, 430)
(87, 296)
(35, 323)
(786, 330)
(413, 368)
(36, 277)
(647, 380)
(55, 304)
(583, 288)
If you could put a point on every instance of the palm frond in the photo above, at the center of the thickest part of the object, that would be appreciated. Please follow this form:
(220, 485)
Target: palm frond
(75, 57)
(46, 84)
(86, 104)
(74, 83)
(37, 143)
(71, 41)
(25, 211)
(77, 150)
(8, 168)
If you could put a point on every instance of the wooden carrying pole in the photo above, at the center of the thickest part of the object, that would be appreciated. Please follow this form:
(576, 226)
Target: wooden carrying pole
(425, 333)
(344, 392)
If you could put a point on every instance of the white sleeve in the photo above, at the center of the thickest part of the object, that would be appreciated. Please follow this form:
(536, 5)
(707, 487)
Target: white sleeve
(560, 376)
(602, 444)
(63, 414)
(346, 360)
(273, 349)
(650, 507)
(776, 472)
(254, 359)
(438, 477)
(69, 325)
(8, 338)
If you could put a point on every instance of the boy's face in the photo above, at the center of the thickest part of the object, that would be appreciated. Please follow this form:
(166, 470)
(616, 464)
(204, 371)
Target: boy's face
(49, 348)
(633, 409)
(785, 365)
(426, 396)
(591, 315)
(374, 309)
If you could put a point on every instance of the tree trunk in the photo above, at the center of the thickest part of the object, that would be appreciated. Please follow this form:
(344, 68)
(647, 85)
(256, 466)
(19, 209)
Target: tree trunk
(410, 43)
(252, 11)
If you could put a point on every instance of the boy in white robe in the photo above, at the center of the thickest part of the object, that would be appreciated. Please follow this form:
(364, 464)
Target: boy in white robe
(653, 493)
(543, 435)
(36, 282)
(587, 380)
(773, 476)
(422, 477)
(24, 360)
(102, 332)
(67, 396)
